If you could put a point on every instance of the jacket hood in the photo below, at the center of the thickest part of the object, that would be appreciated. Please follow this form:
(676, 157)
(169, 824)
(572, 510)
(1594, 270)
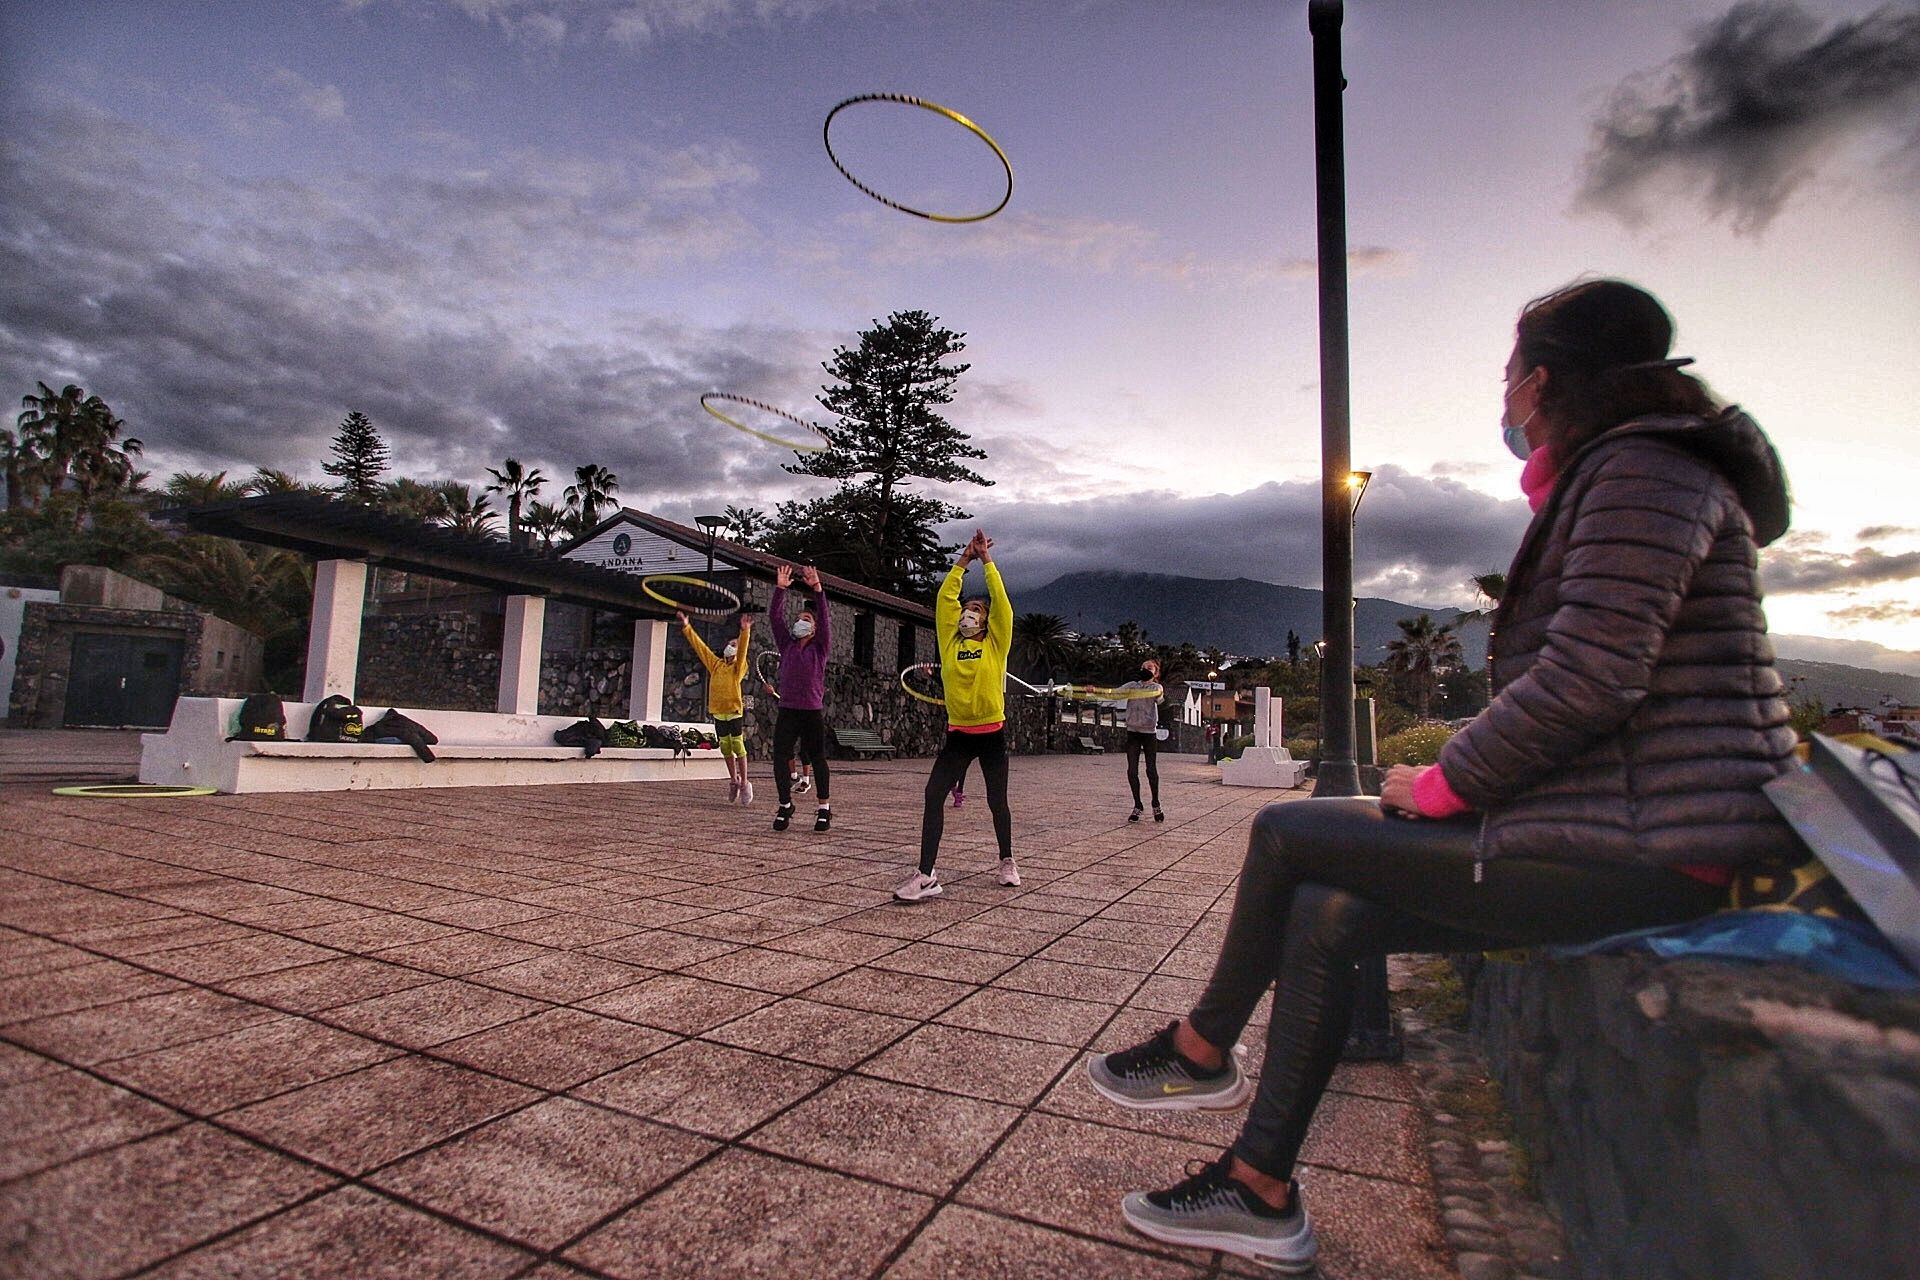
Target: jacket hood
(1736, 446)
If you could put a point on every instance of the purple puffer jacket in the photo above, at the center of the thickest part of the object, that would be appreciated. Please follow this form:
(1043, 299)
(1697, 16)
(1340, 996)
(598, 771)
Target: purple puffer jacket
(1636, 710)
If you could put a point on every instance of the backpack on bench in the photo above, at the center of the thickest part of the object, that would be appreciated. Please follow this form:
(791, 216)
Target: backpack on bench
(334, 719)
(262, 718)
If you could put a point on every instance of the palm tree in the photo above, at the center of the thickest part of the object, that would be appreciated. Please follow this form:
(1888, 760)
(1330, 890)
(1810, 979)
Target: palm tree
(266, 480)
(1424, 652)
(67, 435)
(1042, 643)
(201, 488)
(746, 525)
(593, 487)
(466, 512)
(519, 484)
(261, 588)
(545, 521)
(405, 497)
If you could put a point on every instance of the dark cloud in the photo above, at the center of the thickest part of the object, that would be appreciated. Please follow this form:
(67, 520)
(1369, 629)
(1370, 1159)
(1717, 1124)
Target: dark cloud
(1799, 567)
(1881, 532)
(1852, 653)
(1750, 110)
(1887, 611)
(1419, 539)
(233, 324)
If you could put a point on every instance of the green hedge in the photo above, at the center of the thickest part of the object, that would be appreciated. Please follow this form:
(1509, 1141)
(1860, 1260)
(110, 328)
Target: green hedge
(1418, 745)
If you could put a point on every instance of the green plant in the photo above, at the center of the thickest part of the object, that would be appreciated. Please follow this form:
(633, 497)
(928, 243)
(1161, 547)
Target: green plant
(1418, 745)
(1235, 746)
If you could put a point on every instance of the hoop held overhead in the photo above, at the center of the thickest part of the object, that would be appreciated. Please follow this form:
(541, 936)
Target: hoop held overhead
(826, 136)
(807, 446)
(720, 600)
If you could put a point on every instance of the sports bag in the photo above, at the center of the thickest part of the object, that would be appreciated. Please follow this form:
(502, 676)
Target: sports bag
(334, 719)
(261, 718)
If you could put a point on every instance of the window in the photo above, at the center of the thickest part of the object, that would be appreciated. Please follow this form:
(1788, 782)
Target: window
(219, 659)
(906, 655)
(863, 640)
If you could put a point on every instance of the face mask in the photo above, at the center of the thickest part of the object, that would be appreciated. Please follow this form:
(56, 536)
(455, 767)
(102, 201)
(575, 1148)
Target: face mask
(733, 647)
(1146, 673)
(1515, 435)
(803, 628)
(972, 624)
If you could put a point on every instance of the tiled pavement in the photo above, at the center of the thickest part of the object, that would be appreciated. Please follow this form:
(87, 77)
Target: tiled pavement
(626, 1030)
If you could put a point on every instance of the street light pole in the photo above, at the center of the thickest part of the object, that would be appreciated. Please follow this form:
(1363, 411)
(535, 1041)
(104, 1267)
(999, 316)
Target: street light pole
(711, 524)
(1339, 772)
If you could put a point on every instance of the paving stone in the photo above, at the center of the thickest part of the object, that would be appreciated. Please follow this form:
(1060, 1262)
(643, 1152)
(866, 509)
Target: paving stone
(904, 1136)
(709, 1088)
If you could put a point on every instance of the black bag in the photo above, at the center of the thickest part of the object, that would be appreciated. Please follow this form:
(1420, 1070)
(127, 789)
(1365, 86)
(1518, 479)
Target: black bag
(659, 735)
(262, 718)
(394, 727)
(334, 719)
(589, 735)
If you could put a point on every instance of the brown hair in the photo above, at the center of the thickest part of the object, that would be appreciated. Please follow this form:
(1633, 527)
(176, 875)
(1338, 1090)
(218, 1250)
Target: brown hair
(1600, 342)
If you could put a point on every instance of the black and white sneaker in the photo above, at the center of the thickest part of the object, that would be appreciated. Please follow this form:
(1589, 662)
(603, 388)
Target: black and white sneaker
(822, 818)
(1211, 1209)
(1155, 1076)
(1135, 815)
(782, 816)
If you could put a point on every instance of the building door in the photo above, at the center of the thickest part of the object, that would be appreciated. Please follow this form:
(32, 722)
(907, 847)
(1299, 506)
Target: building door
(123, 681)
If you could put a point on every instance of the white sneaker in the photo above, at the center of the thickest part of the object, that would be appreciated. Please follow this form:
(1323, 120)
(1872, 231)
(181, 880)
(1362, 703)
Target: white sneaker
(1009, 874)
(746, 794)
(916, 888)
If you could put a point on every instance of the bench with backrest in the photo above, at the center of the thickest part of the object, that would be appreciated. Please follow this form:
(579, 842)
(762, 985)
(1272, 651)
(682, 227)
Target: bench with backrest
(476, 749)
(1089, 746)
(862, 742)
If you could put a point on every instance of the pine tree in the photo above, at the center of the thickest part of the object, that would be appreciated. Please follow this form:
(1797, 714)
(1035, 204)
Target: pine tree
(360, 458)
(886, 394)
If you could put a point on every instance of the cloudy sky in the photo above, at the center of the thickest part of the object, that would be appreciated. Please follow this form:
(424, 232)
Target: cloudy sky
(541, 228)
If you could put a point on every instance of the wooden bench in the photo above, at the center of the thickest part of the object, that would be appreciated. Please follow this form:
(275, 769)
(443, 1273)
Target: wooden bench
(862, 742)
(476, 749)
(1089, 747)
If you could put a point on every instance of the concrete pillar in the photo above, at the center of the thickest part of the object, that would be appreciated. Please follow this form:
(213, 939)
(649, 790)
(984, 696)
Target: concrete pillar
(1366, 739)
(520, 655)
(333, 640)
(649, 670)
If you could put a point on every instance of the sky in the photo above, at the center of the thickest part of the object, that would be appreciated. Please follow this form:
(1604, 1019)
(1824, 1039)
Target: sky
(542, 228)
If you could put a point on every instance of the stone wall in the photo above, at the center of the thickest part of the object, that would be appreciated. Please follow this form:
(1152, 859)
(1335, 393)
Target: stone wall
(1696, 1119)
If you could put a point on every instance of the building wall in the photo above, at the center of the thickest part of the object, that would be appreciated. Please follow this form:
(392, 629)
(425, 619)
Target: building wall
(43, 670)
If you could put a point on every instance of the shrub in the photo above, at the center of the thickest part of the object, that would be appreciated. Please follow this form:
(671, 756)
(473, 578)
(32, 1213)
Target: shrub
(1418, 745)
(1234, 746)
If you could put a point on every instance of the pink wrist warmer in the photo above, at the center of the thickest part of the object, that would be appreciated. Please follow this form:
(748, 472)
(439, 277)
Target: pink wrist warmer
(1434, 796)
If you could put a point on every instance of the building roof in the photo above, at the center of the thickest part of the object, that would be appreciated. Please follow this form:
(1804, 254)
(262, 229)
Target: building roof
(328, 529)
(754, 563)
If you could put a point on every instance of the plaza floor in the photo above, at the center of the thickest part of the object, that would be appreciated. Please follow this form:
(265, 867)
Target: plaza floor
(628, 1031)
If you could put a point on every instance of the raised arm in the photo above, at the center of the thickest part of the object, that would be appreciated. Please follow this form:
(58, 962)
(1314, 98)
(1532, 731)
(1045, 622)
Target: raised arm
(700, 650)
(822, 616)
(999, 607)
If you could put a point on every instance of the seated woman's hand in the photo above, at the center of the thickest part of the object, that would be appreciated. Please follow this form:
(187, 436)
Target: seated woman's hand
(1396, 792)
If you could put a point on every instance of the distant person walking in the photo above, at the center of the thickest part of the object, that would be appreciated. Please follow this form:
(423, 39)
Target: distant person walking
(801, 722)
(1143, 723)
(974, 639)
(724, 703)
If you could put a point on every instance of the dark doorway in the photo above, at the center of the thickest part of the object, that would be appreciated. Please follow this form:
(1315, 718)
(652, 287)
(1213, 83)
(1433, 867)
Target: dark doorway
(123, 681)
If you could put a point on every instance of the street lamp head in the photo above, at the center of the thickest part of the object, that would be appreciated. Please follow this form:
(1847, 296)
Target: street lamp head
(710, 523)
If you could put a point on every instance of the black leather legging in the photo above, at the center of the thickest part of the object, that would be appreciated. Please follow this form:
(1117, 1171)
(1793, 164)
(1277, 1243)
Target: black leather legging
(1137, 743)
(807, 730)
(949, 767)
(1329, 882)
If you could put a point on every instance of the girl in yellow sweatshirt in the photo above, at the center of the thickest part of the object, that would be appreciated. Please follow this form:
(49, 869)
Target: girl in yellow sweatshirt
(724, 704)
(974, 640)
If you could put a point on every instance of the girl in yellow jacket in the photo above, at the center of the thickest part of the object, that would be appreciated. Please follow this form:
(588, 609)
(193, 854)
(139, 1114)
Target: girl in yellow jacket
(974, 640)
(724, 704)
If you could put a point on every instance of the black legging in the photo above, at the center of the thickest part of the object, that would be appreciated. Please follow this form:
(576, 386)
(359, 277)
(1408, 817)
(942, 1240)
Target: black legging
(1136, 743)
(949, 767)
(808, 730)
(1343, 882)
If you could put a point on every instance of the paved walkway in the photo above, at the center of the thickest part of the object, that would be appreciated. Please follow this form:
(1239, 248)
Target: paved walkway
(627, 1030)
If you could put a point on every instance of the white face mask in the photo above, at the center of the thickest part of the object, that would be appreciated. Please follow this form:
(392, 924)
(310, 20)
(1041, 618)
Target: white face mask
(973, 623)
(733, 647)
(803, 628)
(1515, 434)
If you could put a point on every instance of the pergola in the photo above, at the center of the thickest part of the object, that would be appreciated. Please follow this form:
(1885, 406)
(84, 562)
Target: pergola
(344, 539)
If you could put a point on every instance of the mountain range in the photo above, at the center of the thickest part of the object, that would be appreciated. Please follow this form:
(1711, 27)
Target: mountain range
(1240, 615)
(1250, 618)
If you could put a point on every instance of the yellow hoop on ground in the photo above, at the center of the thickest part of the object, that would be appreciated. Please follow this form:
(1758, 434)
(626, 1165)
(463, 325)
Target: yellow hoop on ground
(916, 693)
(826, 136)
(798, 446)
(728, 602)
(134, 791)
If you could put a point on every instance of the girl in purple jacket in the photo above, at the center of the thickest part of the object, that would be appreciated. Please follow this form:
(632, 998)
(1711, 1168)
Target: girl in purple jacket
(801, 722)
